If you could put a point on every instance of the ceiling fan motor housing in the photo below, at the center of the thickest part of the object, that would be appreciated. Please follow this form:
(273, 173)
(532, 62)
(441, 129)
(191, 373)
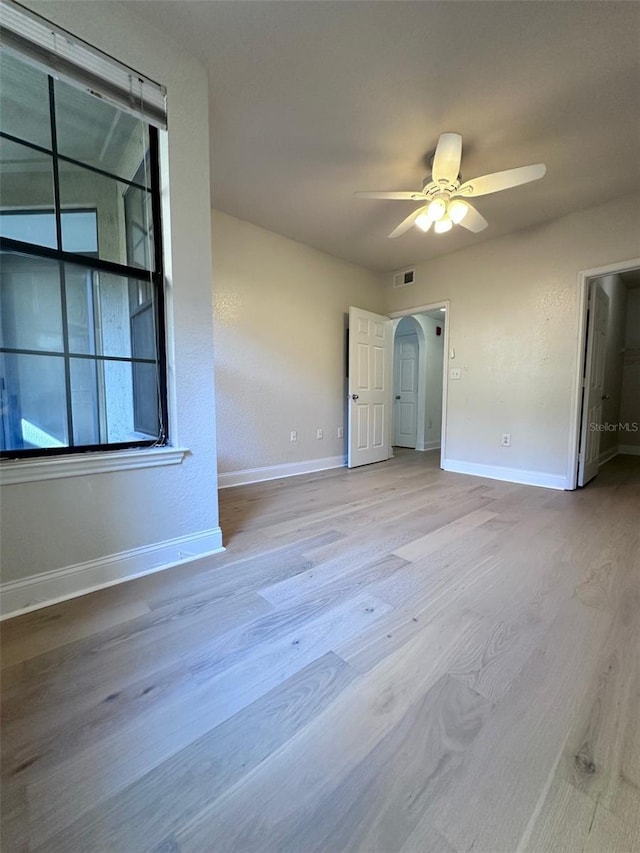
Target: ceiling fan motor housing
(444, 198)
(445, 188)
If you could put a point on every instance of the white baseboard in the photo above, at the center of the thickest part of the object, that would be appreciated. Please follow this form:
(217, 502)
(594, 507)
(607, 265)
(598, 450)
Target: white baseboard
(608, 455)
(431, 445)
(30, 593)
(509, 475)
(629, 449)
(275, 472)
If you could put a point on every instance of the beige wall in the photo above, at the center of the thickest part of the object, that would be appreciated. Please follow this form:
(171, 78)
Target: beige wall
(514, 326)
(279, 325)
(56, 523)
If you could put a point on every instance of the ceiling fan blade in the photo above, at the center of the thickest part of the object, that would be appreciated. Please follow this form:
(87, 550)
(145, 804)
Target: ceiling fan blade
(407, 196)
(502, 180)
(446, 160)
(473, 221)
(408, 222)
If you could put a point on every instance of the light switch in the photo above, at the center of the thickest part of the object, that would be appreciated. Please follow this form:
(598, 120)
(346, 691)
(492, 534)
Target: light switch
(455, 373)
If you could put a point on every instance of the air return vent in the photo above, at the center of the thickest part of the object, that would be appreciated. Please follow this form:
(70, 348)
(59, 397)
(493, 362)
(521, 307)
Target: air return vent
(404, 278)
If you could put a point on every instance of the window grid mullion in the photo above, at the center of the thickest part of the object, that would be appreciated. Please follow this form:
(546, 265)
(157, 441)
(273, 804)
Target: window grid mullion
(88, 166)
(80, 260)
(61, 269)
(121, 359)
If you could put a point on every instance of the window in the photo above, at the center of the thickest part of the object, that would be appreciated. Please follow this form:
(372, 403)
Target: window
(82, 355)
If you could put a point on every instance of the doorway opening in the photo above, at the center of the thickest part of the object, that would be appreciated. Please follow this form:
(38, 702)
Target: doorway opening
(419, 378)
(607, 411)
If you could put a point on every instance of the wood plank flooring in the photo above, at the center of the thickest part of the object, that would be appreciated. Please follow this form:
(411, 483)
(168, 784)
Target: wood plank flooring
(389, 660)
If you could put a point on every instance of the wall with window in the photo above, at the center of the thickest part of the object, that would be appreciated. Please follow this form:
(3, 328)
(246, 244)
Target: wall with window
(66, 522)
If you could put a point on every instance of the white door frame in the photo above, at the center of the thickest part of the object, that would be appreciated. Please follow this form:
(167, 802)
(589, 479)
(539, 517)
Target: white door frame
(584, 281)
(432, 306)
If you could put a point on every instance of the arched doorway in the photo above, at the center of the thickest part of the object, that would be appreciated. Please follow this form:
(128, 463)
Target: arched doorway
(418, 380)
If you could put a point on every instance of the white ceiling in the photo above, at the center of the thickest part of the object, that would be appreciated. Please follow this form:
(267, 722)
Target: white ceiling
(313, 100)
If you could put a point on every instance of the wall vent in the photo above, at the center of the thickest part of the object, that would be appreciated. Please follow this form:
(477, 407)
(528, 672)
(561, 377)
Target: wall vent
(404, 278)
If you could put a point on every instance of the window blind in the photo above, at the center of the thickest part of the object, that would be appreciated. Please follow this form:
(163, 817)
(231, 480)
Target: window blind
(56, 51)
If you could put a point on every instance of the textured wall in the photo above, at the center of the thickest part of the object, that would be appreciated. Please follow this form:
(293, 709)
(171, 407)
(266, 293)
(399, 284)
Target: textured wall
(279, 322)
(514, 325)
(55, 523)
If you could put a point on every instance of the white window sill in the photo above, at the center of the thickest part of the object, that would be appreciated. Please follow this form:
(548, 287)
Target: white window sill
(80, 464)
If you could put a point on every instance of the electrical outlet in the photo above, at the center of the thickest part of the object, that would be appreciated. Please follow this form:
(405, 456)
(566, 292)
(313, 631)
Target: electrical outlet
(319, 433)
(293, 435)
(506, 439)
(455, 373)
(340, 432)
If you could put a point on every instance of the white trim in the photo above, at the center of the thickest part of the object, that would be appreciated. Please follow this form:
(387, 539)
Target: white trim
(508, 475)
(22, 596)
(14, 471)
(432, 306)
(607, 456)
(275, 472)
(629, 450)
(423, 446)
(584, 277)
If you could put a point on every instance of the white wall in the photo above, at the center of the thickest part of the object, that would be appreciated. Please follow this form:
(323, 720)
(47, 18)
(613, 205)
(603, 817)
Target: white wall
(630, 397)
(615, 289)
(279, 320)
(514, 327)
(61, 522)
(434, 354)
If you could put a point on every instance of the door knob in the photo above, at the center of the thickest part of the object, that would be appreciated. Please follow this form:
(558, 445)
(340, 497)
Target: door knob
(355, 397)
(397, 396)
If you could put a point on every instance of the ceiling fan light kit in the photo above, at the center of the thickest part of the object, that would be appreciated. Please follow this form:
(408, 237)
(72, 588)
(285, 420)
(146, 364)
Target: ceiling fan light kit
(443, 225)
(424, 222)
(457, 211)
(437, 209)
(441, 195)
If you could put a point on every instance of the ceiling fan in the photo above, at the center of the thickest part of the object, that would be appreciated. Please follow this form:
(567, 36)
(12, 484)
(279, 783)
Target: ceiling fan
(443, 197)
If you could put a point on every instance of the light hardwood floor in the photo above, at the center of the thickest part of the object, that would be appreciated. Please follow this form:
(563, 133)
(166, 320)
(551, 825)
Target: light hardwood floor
(389, 659)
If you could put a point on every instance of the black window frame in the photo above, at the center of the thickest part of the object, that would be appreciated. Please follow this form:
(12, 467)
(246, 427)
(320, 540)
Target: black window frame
(155, 276)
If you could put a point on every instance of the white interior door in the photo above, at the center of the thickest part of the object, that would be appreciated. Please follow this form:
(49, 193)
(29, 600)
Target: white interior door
(405, 391)
(370, 352)
(594, 391)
